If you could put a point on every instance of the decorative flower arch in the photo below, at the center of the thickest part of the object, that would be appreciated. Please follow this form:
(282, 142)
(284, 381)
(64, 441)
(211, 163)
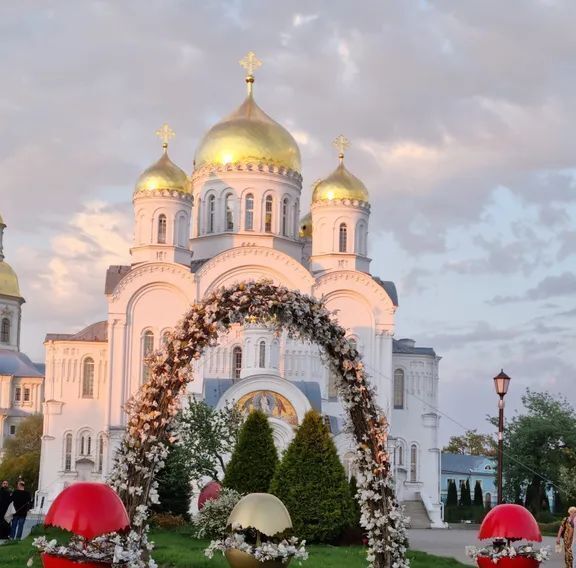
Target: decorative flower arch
(145, 444)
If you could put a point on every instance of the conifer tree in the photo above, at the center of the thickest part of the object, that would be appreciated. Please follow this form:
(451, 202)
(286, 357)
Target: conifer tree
(311, 482)
(174, 488)
(254, 458)
(452, 496)
(465, 497)
(478, 500)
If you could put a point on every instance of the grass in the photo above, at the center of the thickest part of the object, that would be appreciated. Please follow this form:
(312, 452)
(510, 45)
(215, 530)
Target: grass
(176, 549)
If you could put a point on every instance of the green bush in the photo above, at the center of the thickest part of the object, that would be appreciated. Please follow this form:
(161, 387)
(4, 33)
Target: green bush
(254, 458)
(311, 482)
(452, 496)
(174, 488)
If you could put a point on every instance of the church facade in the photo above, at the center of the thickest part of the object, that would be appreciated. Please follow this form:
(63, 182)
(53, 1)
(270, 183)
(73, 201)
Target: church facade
(237, 218)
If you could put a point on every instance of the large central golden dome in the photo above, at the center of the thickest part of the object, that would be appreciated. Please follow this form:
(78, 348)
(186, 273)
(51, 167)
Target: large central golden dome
(8, 281)
(248, 135)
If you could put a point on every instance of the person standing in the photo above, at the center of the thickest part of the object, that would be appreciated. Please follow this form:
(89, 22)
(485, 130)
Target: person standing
(5, 500)
(22, 504)
(566, 532)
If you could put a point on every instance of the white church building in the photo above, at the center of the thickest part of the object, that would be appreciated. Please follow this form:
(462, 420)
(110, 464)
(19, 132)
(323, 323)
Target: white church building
(236, 218)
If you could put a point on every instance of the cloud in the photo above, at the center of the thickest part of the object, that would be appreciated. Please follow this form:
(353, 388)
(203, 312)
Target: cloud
(550, 287)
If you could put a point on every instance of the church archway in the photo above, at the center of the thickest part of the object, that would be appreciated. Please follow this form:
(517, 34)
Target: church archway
(145, 443)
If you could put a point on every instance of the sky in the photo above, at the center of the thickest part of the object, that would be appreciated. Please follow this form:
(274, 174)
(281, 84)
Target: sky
(461, 117)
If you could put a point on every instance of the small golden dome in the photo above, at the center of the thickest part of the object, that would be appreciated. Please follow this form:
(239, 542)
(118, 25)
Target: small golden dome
(263, 512)
(164, 174)
(305, 230)
(248, 135)
(8, 281)
(340, 184)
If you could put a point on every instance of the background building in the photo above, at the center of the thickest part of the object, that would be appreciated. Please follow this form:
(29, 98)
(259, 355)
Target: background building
(460, 468)
(21, 381)
(236, 219)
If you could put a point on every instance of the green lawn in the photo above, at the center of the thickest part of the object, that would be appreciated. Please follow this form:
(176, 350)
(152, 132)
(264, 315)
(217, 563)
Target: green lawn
(177, 550)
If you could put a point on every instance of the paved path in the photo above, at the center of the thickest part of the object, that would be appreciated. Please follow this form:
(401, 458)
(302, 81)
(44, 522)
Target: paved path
(452, 543)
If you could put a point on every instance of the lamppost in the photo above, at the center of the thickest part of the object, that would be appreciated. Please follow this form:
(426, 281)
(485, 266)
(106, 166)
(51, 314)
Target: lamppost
(501, 382)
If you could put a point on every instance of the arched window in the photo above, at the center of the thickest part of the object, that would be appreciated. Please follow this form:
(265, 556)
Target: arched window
(162, 229)
(88, 378)
(68, 452)
(400, 455)
(268, 214)
(5, 331)
(85, 444)
(249, 213)
(229, 213)
(413, 462)
(262, 354)
(236, 362)
(147, 348)
(165, 338)
(398, 389)
(211, 213)
(285, 217)
(342, 237)
(181, 231)
(100, 462)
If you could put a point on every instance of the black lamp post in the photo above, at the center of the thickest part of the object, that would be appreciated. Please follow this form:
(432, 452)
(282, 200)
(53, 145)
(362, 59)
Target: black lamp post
(501, 382)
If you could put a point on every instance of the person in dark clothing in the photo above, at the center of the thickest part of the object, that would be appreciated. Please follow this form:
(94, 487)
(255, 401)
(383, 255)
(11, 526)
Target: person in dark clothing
(22, 504)
(5, 500)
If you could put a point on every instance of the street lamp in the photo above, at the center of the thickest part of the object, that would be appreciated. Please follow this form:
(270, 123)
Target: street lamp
(501, 382)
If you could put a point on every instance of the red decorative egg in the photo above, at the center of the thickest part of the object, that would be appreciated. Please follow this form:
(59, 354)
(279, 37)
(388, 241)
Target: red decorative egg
(512, 522)
(209, 492)
(88, 510)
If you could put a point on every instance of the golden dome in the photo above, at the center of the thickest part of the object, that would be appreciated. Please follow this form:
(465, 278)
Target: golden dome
(8, 281)
(263, 512)
(340, 184)
(248, 135)
(164, 174)
(305, 230)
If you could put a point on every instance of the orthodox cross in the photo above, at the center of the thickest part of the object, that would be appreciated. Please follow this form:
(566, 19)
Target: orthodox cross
(165, 133)
(250, 62)
(341, 144)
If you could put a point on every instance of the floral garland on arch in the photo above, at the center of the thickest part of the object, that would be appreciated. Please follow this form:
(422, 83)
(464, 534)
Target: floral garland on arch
(150, 413)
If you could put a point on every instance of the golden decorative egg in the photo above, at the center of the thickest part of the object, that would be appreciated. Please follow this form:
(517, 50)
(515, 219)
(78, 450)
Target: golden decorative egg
(263, 512)
(8, 281)
(305, 230)
(164, 174)
(248, 135)
(340, 184)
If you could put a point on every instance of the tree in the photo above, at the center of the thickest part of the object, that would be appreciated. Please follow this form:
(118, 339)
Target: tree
(537, 445)
(465, 497)
(311, 482)
(207, 436)
(22, 453)
(478, 496)
(254, 459)
(452, 495)
(472, 444)
(174, 486)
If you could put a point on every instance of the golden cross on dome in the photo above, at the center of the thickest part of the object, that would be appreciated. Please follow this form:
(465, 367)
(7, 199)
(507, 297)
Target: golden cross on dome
(250, 62)
(165, 133)
(341, 144)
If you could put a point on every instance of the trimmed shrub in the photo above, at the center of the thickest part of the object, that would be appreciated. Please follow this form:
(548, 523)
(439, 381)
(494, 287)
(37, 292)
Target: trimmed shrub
(452, 496)
(465, 497)
(211, 521)
(478, 500)
(254, 458)
(311, 482)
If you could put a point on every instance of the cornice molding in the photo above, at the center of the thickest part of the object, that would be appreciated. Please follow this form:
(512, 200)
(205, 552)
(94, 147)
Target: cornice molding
(212, 170)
